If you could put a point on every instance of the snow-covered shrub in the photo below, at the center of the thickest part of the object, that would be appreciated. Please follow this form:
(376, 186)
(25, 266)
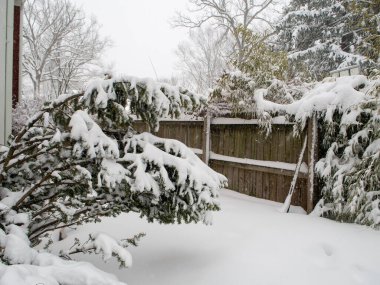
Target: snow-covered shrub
(351, 167)
(234, 92)
(278, 92)
(78, 160)
(261, 62)
(255, 66)
(348, 116)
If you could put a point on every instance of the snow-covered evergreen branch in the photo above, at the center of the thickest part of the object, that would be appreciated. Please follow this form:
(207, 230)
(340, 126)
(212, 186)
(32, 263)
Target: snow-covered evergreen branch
(78, 160)
(347, 109)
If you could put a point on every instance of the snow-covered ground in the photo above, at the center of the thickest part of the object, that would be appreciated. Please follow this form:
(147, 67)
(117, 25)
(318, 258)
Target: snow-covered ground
(250, 242)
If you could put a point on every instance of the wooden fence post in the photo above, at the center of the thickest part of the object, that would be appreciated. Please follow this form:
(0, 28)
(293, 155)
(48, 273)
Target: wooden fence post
(312, 133)
(206, 139)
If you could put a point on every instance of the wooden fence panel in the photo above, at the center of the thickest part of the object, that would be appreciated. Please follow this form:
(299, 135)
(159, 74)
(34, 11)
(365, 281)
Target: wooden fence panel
(249, 141)
(232, 144)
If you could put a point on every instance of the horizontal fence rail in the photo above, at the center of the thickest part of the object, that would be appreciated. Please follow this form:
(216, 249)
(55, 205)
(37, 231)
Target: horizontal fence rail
(255, 164)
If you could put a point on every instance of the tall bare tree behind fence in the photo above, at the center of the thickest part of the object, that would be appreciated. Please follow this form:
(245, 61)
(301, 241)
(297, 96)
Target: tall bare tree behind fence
(255, 164)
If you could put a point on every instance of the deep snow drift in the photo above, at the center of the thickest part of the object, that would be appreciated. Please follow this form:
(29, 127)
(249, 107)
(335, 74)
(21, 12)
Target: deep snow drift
(250, 242)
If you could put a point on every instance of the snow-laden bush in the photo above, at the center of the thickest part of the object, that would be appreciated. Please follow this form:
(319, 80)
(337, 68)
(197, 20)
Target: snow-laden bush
(78, 160)
(233, 94)
(348, 116)
(256, 65)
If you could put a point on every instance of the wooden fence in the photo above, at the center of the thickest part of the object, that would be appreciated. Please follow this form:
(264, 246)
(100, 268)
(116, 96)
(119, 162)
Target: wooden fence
(255, 164)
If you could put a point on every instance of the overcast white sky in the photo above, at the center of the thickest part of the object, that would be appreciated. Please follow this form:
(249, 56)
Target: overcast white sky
(139, 30)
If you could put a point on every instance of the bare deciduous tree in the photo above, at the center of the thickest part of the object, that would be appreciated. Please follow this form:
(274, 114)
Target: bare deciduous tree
(201, 60)
(60, 44)
(230, 16)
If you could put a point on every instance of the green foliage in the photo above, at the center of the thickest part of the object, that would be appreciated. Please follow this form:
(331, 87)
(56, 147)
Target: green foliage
(261, 62)
(263, 67)
(232, 95)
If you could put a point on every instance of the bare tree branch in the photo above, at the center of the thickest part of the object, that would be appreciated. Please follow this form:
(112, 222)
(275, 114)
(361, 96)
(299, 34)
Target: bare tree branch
(59, 46)
(229, 15)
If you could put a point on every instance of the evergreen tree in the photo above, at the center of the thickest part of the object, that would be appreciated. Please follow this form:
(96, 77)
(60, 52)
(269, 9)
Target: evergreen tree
(78, 160)
(350, 167)
(347, 110)
(324, 35)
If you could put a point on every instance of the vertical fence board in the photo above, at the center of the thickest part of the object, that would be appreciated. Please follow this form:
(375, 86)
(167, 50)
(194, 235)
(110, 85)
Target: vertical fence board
(266, 185)
(188, 134)
(272, 187)
(281, 144)
(242, 186)
(259, 184)
(231, 142)
(221, 140)
(288, 148)
(226, 145)
(248, 181)
(248, 143)
(215, 140)
(191, 135)
(235, 178)
(259, 147)
(274, 146)
(253, 183)
(240, 144)
(253, 139)
(280, 190)
(265, 150)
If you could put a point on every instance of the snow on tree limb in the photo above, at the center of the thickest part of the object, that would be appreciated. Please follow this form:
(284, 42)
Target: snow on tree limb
(104, 244)
(339, 94)
(78, 160)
